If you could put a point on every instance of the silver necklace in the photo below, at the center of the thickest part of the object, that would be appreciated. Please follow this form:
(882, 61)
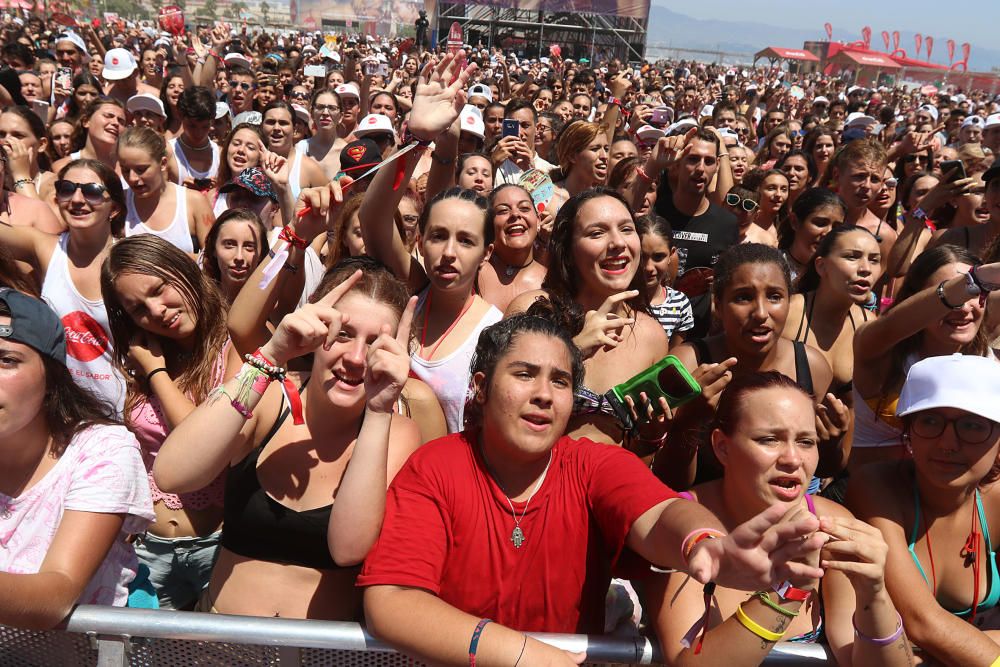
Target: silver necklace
(517, 535)
(513, 269)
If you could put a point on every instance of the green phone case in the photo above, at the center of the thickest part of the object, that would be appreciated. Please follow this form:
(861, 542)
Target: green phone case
(667, 378)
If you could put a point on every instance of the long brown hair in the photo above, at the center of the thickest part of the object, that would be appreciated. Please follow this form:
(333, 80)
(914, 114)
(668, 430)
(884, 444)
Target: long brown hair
(336, 247)
(922, 268)
(146, 254)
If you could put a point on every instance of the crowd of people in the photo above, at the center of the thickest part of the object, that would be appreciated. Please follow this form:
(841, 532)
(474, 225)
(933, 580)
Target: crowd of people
(331, 328)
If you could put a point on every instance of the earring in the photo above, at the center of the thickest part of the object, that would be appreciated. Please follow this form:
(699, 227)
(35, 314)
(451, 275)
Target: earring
(906, 443)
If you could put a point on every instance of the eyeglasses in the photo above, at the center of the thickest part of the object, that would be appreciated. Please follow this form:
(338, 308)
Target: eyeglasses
(325, 107)
(92, 192)
(969, 429)
(747, 205)
(240, 84)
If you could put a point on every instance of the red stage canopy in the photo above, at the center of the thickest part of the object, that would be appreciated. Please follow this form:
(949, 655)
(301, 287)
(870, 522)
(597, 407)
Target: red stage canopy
(779, 53)
(869, 59)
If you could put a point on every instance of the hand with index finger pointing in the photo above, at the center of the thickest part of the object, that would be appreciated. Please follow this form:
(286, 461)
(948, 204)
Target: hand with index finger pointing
(388, 363)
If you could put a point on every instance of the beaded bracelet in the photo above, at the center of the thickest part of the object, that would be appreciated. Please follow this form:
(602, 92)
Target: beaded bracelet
(260, 363)
(756, 628)
(884, 641)
(766, 599)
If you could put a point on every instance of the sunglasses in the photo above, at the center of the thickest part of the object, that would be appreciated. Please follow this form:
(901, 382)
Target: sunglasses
(299, 96)
(92, 192)
(240, 84)
(747, 205)
(890, 182)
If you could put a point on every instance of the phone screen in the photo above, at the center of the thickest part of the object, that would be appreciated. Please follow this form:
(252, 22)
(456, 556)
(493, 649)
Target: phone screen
(673, 383)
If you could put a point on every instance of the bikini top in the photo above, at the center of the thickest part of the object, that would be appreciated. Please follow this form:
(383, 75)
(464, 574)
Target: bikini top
(993, 576)
(803, 374)
(805, 324)
(258, 526)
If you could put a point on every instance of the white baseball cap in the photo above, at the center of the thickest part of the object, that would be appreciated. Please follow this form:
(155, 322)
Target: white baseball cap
(118, 64)
(75, 40)
(649, 134)
(481, 90)
(820, 100)
(993, 120)
(222, 110)
(964, 381)
(145, 102)
(373, 123)
(237, 59)
(683, 125)
(706, 110)
(930, 109)
(349, 89)
(859, 119)
(472, 121)
(974, 120)
(301, 113)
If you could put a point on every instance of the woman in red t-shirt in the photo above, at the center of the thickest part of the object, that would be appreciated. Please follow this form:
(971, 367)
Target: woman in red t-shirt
(513, 521)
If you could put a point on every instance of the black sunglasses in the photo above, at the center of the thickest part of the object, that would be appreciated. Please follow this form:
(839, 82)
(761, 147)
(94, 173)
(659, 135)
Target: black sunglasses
(92, 192)
(240, 84)
(734, 200)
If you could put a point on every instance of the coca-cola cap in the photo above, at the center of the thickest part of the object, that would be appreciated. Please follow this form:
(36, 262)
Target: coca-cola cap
(33, 323)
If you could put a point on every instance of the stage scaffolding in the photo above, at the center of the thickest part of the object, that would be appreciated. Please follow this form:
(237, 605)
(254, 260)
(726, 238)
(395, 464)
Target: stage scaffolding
(530, 32)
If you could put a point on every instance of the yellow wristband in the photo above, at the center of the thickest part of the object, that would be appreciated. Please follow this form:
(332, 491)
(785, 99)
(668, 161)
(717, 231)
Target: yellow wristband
(995, 663)
(755, 628)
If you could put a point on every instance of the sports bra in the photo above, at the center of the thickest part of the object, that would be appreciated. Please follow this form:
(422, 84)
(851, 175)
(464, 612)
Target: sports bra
(258, 526)
(993, 576)
(805, 324)
(813, 635)
(803, 374)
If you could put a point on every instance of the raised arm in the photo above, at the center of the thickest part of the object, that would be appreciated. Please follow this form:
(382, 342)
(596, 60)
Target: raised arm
(357, 515)
(438, 102)
(253, 306)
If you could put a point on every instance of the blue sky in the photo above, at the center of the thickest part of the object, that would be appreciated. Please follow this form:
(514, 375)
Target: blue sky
(975, 23)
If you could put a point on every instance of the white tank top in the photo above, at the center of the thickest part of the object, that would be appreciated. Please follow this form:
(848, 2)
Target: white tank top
(88, 337)
(221, 204)
(184, 168)
(295, 175)
(449, 376)
(178, 233)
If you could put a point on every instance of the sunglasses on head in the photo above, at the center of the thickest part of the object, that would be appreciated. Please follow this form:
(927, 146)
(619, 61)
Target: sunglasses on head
(747, 205)
(92, 192)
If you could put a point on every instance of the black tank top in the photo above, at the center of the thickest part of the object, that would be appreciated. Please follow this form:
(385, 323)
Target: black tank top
(258, 526)
(803, 374)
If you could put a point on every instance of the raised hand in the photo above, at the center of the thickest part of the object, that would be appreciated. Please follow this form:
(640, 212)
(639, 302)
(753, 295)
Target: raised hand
(833, 418)
(440, 96)
(857, 549)
(602, 328)
(764, 551)
(713, 378)
(388, 363)
(275, 167)
(317, 207)
(145, 354)
(310, 326)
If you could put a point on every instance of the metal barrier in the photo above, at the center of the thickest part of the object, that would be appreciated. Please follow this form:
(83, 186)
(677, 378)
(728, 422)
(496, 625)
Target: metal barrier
(115, 637)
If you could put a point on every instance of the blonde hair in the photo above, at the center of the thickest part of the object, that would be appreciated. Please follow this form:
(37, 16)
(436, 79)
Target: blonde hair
(146, 139)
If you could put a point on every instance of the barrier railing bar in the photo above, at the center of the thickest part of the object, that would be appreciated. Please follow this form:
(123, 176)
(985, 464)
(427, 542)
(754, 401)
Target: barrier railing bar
(115, 628)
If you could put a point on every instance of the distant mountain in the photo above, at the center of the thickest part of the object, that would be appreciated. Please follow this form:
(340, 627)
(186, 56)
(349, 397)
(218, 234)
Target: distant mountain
(670, 29)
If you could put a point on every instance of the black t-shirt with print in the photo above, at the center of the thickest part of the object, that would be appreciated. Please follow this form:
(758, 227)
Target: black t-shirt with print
(699, 240)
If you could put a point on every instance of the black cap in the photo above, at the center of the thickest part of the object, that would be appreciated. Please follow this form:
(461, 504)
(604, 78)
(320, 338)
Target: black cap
(359, 156)
(33, 323)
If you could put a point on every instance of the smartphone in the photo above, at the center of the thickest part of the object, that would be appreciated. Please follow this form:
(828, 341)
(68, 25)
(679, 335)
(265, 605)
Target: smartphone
(41, 109)
(314, 70)
(371, 67)
(662, 116)
(202, 184)
(511, 128)
(957, 166)
(383, 69)
(667, 378)
(64, 78)
(636, 74)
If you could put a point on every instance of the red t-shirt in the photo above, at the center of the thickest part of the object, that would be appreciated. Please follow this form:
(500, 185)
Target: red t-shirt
(448, 527)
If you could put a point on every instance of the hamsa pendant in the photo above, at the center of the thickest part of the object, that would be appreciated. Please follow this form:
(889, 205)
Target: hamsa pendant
(517, 537)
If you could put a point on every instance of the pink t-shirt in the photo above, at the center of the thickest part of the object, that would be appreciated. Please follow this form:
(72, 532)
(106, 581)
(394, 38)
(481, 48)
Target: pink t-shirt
(100, 471)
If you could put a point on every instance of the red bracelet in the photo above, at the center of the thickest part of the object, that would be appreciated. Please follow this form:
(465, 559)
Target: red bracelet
(287, 234)
(288, 388)
(695, 537)
(788, 592)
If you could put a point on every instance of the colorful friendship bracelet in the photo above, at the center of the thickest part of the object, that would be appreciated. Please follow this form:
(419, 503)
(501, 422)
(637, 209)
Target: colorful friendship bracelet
(765, 597)
(474, 644)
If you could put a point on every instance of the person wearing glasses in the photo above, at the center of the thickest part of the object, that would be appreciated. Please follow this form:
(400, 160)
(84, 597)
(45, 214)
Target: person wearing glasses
(744, 204)
(242, 86)
(91, 204)
(883, 207)
(935, 508)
